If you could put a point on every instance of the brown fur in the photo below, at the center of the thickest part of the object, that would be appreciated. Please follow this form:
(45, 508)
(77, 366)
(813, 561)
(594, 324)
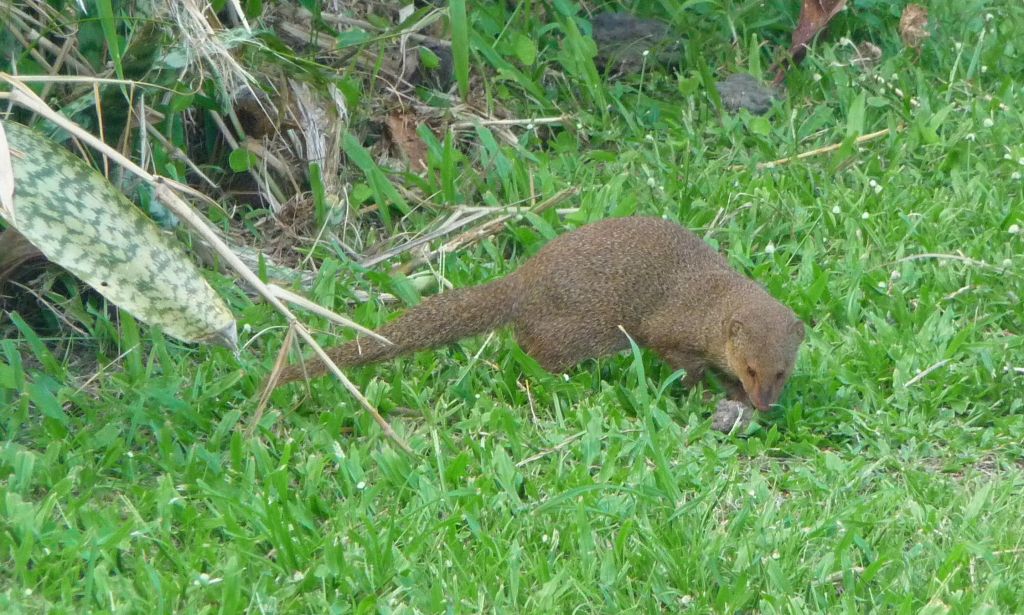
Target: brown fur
(667, 288)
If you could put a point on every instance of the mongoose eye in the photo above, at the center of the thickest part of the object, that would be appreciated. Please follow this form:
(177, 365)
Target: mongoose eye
(751, 372)
(779, 375)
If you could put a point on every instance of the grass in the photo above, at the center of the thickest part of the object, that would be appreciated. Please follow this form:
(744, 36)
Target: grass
(889, 481)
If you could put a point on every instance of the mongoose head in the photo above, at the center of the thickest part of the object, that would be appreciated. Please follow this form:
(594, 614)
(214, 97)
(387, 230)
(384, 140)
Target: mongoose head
(761, 345)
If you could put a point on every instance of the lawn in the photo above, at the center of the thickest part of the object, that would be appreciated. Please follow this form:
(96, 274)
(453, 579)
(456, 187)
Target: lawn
(133, 477)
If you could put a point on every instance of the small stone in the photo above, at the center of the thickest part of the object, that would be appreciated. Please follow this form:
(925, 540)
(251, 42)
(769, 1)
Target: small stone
(731, 417)
(625, 43)
(440, 77)
(743, 91)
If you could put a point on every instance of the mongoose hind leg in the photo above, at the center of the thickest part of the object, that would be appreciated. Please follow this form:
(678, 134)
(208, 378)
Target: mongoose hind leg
(558, 343)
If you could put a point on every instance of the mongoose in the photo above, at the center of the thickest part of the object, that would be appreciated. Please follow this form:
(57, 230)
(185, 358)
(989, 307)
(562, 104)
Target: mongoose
(660, 282)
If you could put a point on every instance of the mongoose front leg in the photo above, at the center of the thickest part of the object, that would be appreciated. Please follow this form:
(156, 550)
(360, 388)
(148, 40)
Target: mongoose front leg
(734, 389)
(680, 359)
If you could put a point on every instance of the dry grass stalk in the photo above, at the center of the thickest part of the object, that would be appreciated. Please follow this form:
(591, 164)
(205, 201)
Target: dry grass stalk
(814, 152)
(453, 223)
(485, 230)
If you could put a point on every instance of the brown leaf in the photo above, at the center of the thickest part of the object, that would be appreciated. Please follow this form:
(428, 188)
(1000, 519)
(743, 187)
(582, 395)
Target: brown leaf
(814, 16)
(402, 128)
(914, 26)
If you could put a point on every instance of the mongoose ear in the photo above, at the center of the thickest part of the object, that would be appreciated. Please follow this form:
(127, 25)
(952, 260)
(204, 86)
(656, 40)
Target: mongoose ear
(798, 330)
(735, 328)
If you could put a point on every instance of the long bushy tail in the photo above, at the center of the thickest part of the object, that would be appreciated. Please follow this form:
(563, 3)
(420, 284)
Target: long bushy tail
(440, 319)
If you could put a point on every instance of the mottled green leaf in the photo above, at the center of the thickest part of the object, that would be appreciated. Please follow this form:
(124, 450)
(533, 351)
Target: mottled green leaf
(81, 222)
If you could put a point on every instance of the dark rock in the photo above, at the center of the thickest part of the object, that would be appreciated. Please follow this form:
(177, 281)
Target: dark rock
(743, 91)
(440, 77)
(622, 40)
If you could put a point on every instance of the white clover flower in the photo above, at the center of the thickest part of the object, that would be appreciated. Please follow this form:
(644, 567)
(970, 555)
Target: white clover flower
(770, 248)
(1014, 229)
(836, 209)
(988, 122)
(958, 45)
(816, 77)
(970, 136)
(647, 52)
(895, 275)
(1015, 175)
(984, 69)
(1007, 263)
(361, 485)
(865, 215)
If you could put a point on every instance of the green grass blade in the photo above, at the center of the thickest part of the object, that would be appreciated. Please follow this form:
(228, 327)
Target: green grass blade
(460, 44)
(109, 24)
(383, 189)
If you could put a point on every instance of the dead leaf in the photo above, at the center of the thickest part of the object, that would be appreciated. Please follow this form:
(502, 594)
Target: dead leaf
(914, 26)
(814, 16)
(402, 127)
